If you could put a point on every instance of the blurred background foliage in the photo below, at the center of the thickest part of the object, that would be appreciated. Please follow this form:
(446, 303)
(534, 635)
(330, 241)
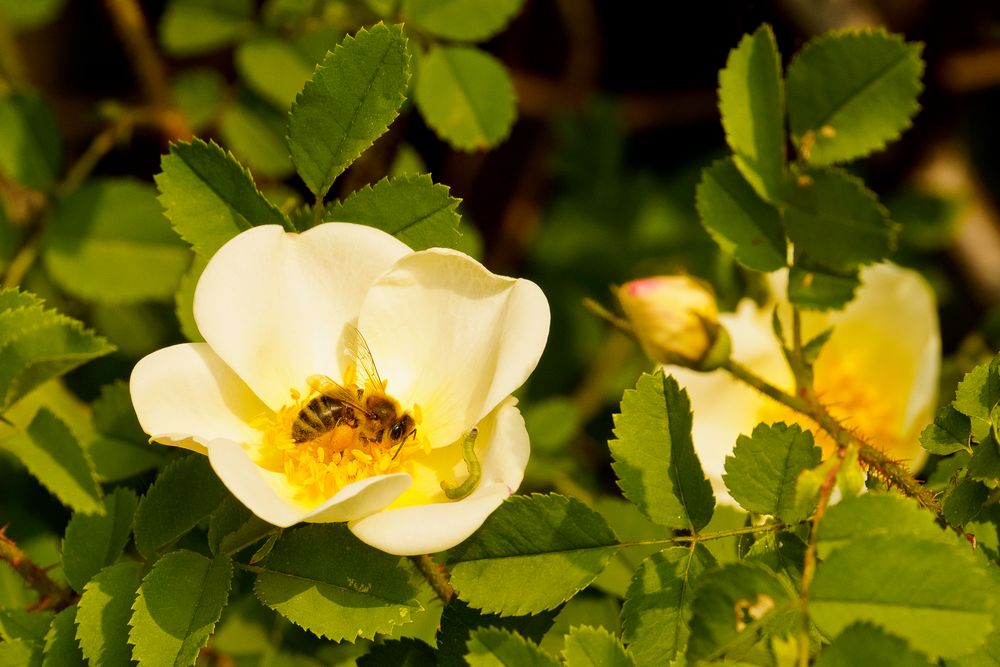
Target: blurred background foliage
(573, 130)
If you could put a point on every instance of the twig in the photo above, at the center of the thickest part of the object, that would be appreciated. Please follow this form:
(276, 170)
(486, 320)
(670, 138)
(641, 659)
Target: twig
(51, 595)
(131, 27)
(435, 575)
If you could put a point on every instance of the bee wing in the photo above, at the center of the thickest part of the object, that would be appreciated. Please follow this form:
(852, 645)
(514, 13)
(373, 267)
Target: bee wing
(328, 387)
(357, 349)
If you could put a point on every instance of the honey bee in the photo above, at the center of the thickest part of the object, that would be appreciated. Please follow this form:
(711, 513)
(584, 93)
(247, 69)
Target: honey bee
(363, 413)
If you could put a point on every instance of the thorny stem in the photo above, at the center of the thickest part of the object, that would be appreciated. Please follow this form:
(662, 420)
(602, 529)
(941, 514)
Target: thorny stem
(809, 562)
(51, 595)
(884, 467)
(435, 575)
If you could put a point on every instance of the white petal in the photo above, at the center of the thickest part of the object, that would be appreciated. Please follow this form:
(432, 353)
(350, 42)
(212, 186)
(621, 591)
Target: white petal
(433, 527)
(273, 305)
(267, 495)
(186, 396)
(723, 407)
(452, 337)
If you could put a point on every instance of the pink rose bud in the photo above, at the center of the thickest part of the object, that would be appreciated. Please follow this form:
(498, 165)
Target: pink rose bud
(676, 321)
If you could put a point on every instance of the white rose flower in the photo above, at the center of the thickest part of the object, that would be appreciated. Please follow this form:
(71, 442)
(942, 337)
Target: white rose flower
(450, 339)
(877, 374)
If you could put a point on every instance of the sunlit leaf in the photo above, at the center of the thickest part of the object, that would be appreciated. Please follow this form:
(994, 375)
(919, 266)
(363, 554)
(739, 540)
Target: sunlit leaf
(762, 470)
(979, 393)
(459, 620)
(414, 209)
(948, 433)
(741, 222)
(493, 647)
(348, 104)
(751, 100)
(658, 603)
(178, 605)
(531, 554)
(466, 96)
(274, 68)
(93, 542)
(103, 614)
(468, 20)
(61, 649)
(209, 198)
(356, 594)
(874, 514)
(120, 448)
(255, 132)
(185, 492)
(594, 647)
(654, 455)
(941, 602)
(52, 454)
(850, 93)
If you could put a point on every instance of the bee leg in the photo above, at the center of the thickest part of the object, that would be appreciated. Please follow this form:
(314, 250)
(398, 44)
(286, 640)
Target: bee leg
(459, 491)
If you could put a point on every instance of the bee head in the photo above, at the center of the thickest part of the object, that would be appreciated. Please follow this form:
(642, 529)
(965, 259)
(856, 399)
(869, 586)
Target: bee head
(402, 429)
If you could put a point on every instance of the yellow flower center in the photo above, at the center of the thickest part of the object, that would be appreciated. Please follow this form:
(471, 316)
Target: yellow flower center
(338, 455)
(847, 391)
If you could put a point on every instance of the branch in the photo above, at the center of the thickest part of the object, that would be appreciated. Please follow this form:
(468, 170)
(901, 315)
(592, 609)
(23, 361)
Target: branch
(435, 575)
(51, 595)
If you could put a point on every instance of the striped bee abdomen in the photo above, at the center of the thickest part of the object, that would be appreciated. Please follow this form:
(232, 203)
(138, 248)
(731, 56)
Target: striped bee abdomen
(321, 415)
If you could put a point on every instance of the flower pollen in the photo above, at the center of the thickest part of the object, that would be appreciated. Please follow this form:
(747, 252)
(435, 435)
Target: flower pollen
(320, 467)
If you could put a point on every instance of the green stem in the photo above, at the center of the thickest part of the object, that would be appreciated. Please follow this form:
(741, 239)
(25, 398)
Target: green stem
(435, 575)
(773, 527)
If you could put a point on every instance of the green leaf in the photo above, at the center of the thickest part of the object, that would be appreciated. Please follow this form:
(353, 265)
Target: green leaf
(658, 603)
(761, 471)
(21, 624)
(52, 454)
(255, 132)
(37, 344)
(783, 553)
(233, 528)
(464, 20)
(630, 525)
(985, 462)
(838, 222)
(466, 97)
(274, 68)
(109, 242)
(733, 606)
(531, 554)
(20, 653)
(191, 27)
(654, 455)
(349, 102)
(184, 299)
(459, 620)
(185, 492)
(850, 93)
(406, 652)
(358, 593)
(813, 288)
(743, 224)
(61, 649)
(209, 198)
(875, 514)
(949, 433)
(493, 647)
(964, 501)
(941, 602)
(94, 541)
(979, 391)
(866, 644)
(103, 614)
(199, 94)
(120, 448)
(31, 148)
(29, 15)
(414, 209)
(751, 100)
(178, 605)
(594, 647)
